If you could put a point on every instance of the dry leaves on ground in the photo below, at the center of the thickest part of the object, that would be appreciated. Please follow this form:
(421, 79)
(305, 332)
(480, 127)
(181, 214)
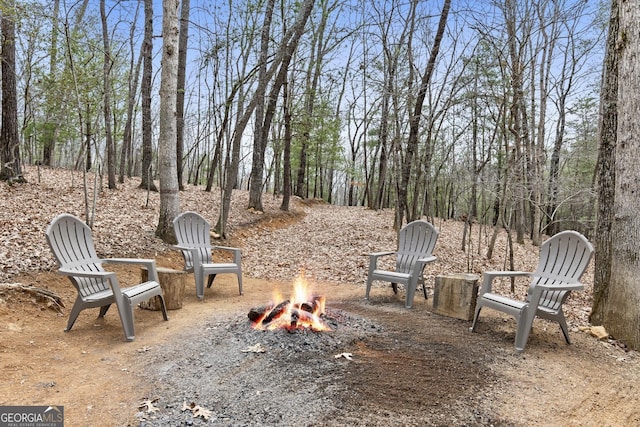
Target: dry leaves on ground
(326, 243)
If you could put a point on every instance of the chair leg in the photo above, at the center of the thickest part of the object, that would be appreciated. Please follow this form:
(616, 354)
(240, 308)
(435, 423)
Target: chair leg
(75, 311)
(103, 310)
(126, 317)
(564, 327)
(199, 276)
(411, 291)
(369, 281)
(163, 307)
(394, 286)
(210, 280)
(525, 322)
(475, 318)
(240, 283)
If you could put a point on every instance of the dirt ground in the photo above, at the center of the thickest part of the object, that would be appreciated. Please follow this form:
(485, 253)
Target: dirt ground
(424, 369)
(420, 368)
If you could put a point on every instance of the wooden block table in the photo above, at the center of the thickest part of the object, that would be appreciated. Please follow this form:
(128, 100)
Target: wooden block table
(172, 283)
(455, 295)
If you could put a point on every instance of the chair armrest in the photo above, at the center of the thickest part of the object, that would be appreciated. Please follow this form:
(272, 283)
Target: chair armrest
(143, 261)
(237, 253)
(427, 259)
(488, 276)
(536, 290)
(196, 261)
(373, 259)
(420, 263)
(379, 254)
(150, 264)
(82, 273)
(577, 286)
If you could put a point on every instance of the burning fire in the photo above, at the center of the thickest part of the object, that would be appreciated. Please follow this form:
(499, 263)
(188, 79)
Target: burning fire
(302, 311)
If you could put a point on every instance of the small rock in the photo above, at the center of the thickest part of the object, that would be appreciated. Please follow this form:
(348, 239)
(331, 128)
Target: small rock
(14, 327)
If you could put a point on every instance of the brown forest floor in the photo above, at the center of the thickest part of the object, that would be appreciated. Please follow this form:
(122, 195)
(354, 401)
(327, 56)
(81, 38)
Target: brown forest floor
(101, 380)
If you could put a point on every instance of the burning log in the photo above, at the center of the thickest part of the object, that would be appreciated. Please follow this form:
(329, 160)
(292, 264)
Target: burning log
(302, 317)
(276, 312)
(317, 303)
(289, 316)
(301, 311)
(257, 313)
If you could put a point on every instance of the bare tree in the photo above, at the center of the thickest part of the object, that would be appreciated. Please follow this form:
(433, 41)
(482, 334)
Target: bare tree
(106, 75)
(48, 147)
(182, 66)
(290, 38)
(414, 120)
(260, 134)
(126, 161)
(286, 180)
(606, 176)
(145, 88)
(167, 160)
(10, 164)
(319, 48)
(518, 120)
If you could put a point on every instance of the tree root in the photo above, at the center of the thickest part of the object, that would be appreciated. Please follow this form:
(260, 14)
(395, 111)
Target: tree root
(51, 300)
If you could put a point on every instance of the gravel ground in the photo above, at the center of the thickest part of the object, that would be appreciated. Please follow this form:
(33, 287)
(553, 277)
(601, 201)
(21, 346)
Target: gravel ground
(232, 375)
(209, 377)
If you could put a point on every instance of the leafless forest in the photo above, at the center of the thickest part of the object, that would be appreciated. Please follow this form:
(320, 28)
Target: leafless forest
(483, 112)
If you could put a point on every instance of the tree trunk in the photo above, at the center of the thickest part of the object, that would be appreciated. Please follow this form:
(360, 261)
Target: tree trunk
(145, 88)
(134, 75)
(49, 140)
(286, 167)
(167, 160)
(182, 65)
(390, 65)
(621, 311)
(518, 123)
(10, 165)
(106, 72)
(311, 91)
(606, 177)
(261, 132)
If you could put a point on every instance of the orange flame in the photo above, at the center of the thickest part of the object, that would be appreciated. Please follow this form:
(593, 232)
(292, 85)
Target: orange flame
(302, 311)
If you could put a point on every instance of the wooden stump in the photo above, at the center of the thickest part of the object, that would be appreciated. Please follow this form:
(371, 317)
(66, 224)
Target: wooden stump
(172, 283)
(455, 295)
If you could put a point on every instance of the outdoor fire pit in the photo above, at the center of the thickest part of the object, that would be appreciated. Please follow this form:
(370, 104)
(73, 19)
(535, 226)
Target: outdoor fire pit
(302, 311)
(284, 364)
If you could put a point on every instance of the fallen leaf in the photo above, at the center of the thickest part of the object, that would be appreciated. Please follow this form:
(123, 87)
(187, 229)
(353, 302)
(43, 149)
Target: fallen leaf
(199, 411)
(347, 356)
(148, 406)
(256, 348)
(196, 410)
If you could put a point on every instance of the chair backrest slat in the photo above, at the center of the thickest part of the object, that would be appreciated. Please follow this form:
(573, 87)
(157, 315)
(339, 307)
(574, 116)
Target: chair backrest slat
(72, 245)
(416, 240)
(563, 259)
(194, 231)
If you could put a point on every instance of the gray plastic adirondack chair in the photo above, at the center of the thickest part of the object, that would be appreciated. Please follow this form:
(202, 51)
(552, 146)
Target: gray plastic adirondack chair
(563, 259)
(72, 245)
(416, 241)
(192, 233)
